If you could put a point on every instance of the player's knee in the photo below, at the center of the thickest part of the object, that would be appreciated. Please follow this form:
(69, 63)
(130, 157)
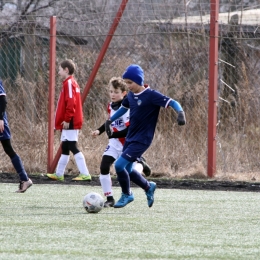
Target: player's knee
(106, 163)
(65, 148)
(73, 147)
(121, 164)
(119, 167)
(104, 170)
(9, 150)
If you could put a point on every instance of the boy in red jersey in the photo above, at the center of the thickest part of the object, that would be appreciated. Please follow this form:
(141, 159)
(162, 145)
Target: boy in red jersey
(69, 119)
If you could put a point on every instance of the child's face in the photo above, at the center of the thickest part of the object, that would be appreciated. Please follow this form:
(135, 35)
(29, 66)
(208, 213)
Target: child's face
(63, 73)
(116, 94)
(133, 87)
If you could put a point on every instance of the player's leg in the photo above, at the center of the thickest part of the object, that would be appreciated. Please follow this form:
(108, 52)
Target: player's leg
(81, 163)
(122, 166)
(138, 166)
(69, 140)
(124, 181)
(105, 179)
(25, 182)
(135, 150)
(146, 167)
(62, 163)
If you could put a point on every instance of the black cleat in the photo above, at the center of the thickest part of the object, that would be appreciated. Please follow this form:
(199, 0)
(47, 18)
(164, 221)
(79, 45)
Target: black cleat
(109, 203)
(146, 168)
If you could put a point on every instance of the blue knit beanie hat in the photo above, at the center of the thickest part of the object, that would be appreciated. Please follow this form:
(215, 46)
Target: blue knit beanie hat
(135, 73)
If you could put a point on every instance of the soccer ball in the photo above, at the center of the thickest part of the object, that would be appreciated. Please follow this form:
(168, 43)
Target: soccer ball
(93, 202)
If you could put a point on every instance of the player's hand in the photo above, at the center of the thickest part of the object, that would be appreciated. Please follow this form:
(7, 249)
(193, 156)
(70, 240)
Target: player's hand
(181, 118)
(65, 125)
(95, 133)
(2, 127)
(108, 127)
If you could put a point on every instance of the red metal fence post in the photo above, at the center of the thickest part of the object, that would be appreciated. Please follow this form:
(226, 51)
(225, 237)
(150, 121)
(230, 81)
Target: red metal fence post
(51, 91)
(104, 49)
(96, 66)
(213, 84)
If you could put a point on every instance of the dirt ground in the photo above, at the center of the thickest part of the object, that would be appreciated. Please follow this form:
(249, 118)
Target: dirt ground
(170, 183)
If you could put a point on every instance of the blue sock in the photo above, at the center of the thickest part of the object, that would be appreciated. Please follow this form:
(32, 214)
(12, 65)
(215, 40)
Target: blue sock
(124, 181)
(18, 165)
(139, 180)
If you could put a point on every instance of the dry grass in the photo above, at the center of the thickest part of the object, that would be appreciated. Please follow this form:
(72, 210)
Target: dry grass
(176, 152)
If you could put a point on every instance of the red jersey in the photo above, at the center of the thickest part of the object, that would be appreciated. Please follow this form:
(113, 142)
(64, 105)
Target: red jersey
(69, 107)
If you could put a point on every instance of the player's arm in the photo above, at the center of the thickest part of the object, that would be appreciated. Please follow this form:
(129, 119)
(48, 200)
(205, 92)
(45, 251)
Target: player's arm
(2, 111)
(99, 131)
(181, 115)
(119, 134)
(121, 111)
(70, 100)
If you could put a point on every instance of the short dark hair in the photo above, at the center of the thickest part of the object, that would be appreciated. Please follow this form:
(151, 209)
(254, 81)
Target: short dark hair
(68, 64)
(118, 83)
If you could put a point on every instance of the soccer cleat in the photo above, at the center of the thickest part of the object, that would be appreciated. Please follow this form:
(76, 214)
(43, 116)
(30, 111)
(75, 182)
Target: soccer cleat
(124, 200)
(150, 194)
(146, 167)
(109, 203)
(53, 176)
(24, 185)
(82, 177)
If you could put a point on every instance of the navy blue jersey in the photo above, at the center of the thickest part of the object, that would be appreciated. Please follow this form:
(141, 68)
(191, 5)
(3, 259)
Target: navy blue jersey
(6, 134)
(2, 91)
(144, 112)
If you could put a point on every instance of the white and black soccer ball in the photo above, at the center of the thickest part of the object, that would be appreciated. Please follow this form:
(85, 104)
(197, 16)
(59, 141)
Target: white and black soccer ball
(93, 202)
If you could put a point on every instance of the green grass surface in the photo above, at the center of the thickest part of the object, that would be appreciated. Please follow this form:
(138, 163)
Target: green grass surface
(49, 222)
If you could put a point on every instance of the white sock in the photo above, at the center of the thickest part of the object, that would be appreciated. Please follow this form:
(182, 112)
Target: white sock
(81, 163)
(106, 184)
(63, 161)
(138, 167)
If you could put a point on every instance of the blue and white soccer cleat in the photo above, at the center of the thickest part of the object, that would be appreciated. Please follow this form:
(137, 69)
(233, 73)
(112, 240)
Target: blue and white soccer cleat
(150, 194)
(124, 200)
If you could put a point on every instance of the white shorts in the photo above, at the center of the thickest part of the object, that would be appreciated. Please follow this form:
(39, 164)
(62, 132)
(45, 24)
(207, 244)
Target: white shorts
(116, 153)
(112, 151)
(69, 135)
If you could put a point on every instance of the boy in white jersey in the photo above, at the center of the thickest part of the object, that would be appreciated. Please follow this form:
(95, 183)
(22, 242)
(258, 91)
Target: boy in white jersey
(117, 91)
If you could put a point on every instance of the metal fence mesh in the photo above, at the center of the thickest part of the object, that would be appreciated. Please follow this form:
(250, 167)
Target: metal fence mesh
(170, 40)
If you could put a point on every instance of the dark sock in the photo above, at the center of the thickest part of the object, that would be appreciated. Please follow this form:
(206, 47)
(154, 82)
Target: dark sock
(139, 180)
(110, 198)
(18, 165)
(124, 181)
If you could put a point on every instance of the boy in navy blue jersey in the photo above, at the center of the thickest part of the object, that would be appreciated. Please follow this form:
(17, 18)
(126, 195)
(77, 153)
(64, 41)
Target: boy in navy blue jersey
(117, 91)
(5, 136)
(144, 104)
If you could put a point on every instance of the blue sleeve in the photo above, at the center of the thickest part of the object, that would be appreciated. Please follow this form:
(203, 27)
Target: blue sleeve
(121, 111)
(175, 105)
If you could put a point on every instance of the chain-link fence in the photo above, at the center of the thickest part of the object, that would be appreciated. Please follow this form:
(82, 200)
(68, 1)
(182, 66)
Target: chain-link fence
(170, 40)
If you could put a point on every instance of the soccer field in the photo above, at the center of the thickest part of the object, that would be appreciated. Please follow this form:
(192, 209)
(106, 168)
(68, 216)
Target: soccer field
(49, 222)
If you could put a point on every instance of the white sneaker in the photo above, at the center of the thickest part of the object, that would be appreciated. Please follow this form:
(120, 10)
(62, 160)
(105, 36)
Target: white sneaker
(24, 185)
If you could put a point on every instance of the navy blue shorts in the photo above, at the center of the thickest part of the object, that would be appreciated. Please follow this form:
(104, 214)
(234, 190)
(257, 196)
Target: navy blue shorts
(6, 134)
(133, 150)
